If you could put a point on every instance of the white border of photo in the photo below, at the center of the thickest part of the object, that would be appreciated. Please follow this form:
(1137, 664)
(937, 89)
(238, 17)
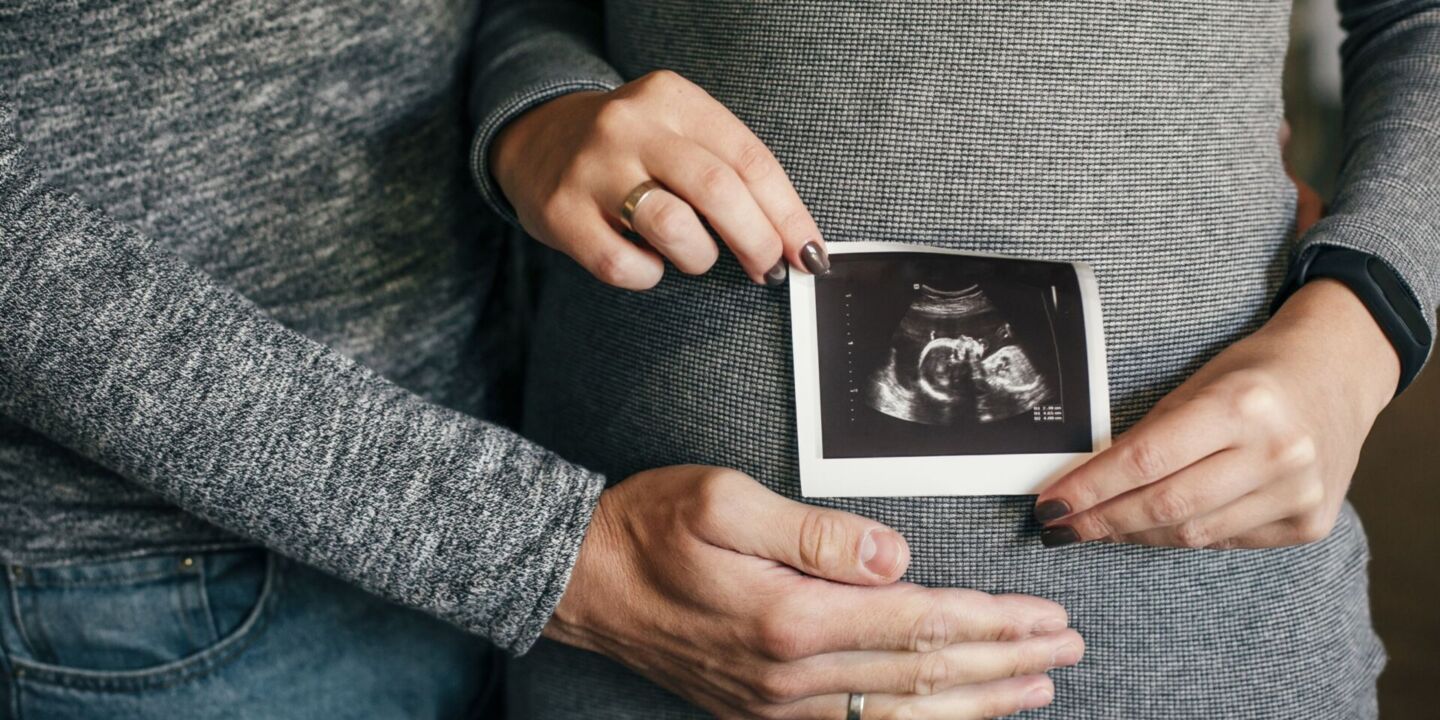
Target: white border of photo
(1019, 474)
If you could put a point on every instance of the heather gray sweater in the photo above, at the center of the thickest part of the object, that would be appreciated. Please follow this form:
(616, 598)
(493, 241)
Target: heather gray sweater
(244, 284)
(1133, 134)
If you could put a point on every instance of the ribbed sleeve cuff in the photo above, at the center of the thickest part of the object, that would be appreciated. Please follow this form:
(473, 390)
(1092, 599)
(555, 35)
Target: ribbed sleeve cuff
(556, 550)
(500, 115)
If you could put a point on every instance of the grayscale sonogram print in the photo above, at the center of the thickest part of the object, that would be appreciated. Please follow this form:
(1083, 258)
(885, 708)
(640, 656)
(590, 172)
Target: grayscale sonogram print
(954, 358)
(925, 354)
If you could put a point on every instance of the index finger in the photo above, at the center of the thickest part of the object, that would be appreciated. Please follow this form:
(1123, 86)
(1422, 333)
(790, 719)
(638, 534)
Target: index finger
(725, 135)
(1157, 447)
(828, 617)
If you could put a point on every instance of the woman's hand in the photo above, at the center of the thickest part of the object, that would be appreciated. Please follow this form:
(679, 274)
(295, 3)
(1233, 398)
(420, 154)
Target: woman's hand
(569, 165)
(754, 606)
(1256, 450)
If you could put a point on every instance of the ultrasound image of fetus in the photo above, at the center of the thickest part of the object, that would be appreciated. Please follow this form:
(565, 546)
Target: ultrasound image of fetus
(954, 359)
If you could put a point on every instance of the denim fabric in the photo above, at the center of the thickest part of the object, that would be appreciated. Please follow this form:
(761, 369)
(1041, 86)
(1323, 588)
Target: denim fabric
(239, 634)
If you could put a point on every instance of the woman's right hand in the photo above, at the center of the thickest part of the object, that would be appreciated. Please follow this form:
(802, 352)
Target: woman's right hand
(569, 165)
(750, 605)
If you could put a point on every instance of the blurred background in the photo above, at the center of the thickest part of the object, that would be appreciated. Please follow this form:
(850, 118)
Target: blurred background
(1397, 487)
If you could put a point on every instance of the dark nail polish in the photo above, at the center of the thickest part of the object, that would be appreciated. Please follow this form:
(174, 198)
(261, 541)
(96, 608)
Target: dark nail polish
(1058, 536)
(777, 274)
(1051, 510)
(815, 258)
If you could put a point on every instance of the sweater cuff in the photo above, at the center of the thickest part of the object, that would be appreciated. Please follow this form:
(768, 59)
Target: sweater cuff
(509, 108)
(556, 547)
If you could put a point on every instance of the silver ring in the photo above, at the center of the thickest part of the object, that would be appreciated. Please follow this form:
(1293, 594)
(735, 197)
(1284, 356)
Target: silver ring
(856, 708)
(633, 200)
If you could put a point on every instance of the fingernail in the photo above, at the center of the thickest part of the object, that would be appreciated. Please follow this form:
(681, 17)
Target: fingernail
(1049, 625)
(776, 275)
(1039, 697)
(1058, 536)
(1065, 656)
(880, 551)
(815, 258)
(1051, 510)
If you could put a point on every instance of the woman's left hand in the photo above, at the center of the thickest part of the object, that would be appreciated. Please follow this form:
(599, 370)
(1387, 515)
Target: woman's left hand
(1255, 450)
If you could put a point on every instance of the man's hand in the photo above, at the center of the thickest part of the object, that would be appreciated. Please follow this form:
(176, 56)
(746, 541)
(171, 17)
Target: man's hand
(754, 606)
(1256, 450)
(569, 165)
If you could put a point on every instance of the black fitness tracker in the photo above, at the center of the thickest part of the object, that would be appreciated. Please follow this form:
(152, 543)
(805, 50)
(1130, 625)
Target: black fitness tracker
(1379, 287)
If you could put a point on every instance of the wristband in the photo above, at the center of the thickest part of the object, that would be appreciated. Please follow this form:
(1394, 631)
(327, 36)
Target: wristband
(1381, 290)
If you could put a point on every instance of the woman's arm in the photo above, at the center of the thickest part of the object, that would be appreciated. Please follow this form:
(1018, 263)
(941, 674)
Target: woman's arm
(562, 147)
(1388, 199)
(1258, 448)
(130, 357)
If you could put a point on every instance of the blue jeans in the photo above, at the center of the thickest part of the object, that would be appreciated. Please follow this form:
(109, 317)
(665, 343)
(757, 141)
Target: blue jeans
(234, 634)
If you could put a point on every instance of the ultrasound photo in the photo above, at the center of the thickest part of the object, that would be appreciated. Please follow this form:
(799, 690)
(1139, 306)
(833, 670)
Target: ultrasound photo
(921, 353)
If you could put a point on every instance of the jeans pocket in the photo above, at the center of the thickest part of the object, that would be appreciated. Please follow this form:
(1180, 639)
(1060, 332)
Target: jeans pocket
(139, 623)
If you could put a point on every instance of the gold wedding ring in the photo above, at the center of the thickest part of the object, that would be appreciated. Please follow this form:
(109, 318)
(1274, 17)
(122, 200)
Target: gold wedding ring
(633, 200)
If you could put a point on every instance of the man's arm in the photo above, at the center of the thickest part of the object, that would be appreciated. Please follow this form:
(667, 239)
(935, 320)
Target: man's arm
(127, 355)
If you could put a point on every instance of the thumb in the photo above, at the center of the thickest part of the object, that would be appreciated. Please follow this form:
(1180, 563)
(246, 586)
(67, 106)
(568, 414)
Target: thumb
(820, 542)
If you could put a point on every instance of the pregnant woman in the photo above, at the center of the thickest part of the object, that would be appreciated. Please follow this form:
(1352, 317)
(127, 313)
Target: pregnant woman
(1136, 136)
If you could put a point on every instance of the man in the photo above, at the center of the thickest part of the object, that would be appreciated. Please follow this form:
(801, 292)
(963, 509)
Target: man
(245, 301)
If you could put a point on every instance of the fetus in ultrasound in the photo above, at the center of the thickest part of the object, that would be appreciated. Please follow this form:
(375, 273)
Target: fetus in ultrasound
(954, 359)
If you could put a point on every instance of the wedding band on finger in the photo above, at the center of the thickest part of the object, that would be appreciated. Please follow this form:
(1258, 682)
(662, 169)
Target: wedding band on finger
(856, 709)
(633, 200)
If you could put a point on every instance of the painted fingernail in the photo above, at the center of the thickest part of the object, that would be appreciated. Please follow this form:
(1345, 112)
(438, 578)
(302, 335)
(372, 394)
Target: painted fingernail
(1065, 656)
(880, 551)
(1051, 510)
(1058, 536)
(776, 275)
(816, 260)
(1039, 697)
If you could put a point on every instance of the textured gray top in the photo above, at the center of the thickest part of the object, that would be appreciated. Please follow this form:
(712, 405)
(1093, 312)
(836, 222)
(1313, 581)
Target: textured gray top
(242, 272)
(1138, 136)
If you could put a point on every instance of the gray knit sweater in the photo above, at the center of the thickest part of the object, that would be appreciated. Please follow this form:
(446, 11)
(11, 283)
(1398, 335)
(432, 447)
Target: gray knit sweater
(244, 284)
(1136, 135)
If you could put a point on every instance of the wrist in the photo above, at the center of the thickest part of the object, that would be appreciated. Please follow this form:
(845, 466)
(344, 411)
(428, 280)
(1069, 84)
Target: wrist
(512, 144)
(571, 621)
(1335, 323)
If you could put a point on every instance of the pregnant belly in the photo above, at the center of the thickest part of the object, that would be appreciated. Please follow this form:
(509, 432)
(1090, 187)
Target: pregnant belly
(698, 370)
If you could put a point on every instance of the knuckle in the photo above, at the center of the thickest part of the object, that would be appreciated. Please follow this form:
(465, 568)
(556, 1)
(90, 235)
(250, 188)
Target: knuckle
(1311, 527)
(1310, 497)
(615, 267)
(712, 491)
(780, 639)
(932, 627)
(614, 119)
(778, 686)
(1169, 506)
(1296, 451)
(932, 674)
(1094, 526)
(713, 179)
(669, 220)
(1144, 459)
(754, 161)
(992, 617)
(781, 634)
(1193, 534)
(1254, 399)
(661, 80)
(823, 540)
